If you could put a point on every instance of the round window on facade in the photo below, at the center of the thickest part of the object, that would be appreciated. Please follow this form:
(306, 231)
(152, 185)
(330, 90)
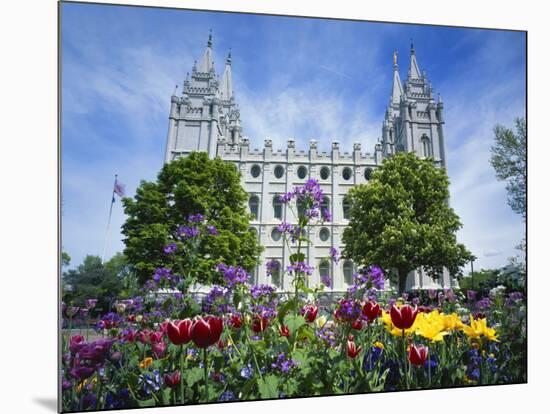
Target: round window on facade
(368, 172)
(324, 234)
(255, 171)
(279, 171)
(302, 172)
(276, 234)
(346, 174)
(325, 173)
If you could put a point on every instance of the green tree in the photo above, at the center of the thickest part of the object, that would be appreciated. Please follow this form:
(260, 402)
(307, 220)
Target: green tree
(401, 220)
(186, 186)
(509, 159)
(94, 280)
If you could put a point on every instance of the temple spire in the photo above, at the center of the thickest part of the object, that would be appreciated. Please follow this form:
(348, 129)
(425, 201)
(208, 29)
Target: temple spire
(397, 88)
(226, 84)
(414, 70)
(207, 61)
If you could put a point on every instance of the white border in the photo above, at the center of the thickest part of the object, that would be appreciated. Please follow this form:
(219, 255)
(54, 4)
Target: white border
(29, 192)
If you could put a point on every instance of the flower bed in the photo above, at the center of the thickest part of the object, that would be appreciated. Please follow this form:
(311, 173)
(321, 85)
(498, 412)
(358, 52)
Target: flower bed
(243, 342)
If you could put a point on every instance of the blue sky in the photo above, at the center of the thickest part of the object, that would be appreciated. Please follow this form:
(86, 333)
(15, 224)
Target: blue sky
(293, 78)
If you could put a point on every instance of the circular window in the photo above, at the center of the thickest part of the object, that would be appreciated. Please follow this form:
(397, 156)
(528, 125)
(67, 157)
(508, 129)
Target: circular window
(346, 173)
(279, 171)
(255, 171)
(276, 234)
(325, 173)
(302, 172)
(324, 234)
(368, 172)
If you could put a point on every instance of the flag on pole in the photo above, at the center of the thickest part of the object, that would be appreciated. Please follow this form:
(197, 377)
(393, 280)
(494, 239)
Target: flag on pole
(118, 189)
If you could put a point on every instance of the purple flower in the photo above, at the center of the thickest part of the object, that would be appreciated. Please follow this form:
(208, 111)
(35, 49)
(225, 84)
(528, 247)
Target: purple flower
(311, 213)
(325, 280)
(233, 275)
(258, 291)
(195, 218)
(212, 230)
(162, 273)
(432, 293)
(283, 364)
(271, 267)
(91, 303)
(471, 294)
(405, 296)
(170, 248)
(217, 300)
(284, 227)
(186, 232)
(348, 310)
(300, 267)
(325, 215)
(334, 254)
(286, 197)
(416, 301)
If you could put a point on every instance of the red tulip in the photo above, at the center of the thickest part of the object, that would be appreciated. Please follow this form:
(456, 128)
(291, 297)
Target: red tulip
(235, 321)
(179, 332)
(284, 331)
(155, 337)
(309, 312)
(418, 354)
(371, 310)
(206, 331)
(259, 323)
(353, 351)
(357, 324)
(173, 379)
(164, 326)
(403, 317)
(143, 336)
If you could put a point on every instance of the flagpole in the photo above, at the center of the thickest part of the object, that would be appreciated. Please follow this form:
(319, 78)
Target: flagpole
(108, 221)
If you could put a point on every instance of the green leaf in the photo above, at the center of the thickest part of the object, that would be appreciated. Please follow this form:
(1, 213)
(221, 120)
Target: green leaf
(193, 376)
(294, 322)
(269, 387)
(146, 403)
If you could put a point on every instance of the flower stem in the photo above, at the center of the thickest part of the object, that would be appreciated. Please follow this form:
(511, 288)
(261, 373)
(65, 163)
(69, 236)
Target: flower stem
(182, 359)
(206, 374)
(405, 360)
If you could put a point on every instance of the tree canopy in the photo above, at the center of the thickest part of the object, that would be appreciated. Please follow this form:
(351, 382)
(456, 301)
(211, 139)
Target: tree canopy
(401, 220)
(509, 159)
(190, 185)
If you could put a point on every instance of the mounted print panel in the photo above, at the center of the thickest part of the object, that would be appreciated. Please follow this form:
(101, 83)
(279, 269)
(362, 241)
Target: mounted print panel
(271, 207)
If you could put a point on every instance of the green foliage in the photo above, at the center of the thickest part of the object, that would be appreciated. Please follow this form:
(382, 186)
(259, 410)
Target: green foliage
(509, 159)
(190, 185)
(65, 259)
(482, 279)
(94, 280)
(401, 220)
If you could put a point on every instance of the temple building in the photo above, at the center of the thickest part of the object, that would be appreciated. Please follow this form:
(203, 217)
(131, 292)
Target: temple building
(206, 117)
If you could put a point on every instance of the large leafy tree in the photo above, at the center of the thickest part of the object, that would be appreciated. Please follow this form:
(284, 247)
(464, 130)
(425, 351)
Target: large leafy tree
(509, 159)
(401, 220)
(95, 280)
(190, 185)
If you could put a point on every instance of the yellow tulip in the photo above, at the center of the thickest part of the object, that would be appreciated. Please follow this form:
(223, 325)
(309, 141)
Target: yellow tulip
(479, 328)
(320, 321)
(379, 345)
(431, 326)
(146, 363)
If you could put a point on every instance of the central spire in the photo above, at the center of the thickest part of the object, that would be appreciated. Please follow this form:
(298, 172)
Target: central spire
(207, 61)
(414, 70)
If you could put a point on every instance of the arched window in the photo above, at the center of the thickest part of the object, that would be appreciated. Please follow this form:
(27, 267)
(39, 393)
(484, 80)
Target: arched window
(346, 207)
(346, 173)
(255, 171)
(254, 205)
(324, 234)
(276, 273)
(302, 172)
(279, 171)
(275, 234)
(325, 205)
(368, 172)
(325, 173)
(324, 270)
(277, 208)
(348, 272)
(426, 146)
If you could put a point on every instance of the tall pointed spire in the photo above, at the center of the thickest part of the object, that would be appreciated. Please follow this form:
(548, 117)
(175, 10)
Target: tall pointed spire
(226, 84)
(414, 70)
(207, 62)
(397, 88)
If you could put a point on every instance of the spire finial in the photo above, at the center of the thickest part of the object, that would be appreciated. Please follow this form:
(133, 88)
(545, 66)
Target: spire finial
(395, 53)
(228, 61)
(210, 39)
(412, 47)
(175, 90)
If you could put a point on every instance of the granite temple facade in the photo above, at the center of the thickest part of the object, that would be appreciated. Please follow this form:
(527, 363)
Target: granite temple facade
(206, 117)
